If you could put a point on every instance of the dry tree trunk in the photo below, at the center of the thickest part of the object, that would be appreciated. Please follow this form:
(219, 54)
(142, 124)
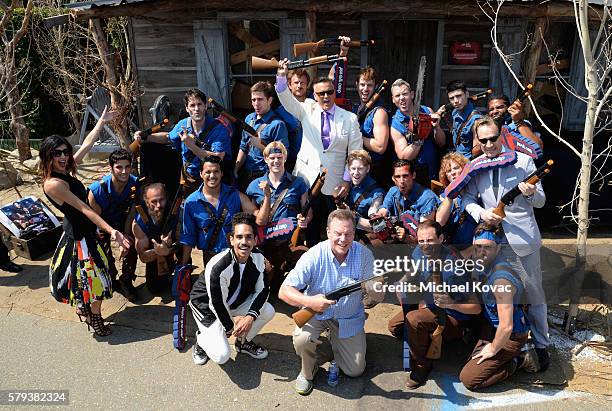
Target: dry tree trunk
(17, 124)
(112, 82)
(9, 80)
(71, 104)
(592, 86)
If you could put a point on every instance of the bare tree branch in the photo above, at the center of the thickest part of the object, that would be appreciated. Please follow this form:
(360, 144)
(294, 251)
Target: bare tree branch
(24, 25)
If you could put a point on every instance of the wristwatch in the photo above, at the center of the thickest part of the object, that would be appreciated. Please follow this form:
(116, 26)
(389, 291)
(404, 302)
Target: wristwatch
(519, 123)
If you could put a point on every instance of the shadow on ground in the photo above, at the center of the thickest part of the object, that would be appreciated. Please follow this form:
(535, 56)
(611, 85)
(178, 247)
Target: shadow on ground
(32, 276)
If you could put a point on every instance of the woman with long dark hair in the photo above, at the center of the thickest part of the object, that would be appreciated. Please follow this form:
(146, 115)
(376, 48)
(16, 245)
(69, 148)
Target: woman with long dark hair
(78, 274)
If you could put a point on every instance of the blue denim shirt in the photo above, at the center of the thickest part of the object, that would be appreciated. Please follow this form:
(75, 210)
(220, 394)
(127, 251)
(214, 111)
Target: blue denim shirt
(420, 202)
(427, 155)
(111, 202)
(356, 191)
(465, 140)
(218, 140)
(276, 130)
(198, 225)
(464, 232)
(290, 206)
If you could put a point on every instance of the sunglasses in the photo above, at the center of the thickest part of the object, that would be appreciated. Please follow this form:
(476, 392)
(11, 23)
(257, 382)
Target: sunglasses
(492, 139)
(58, 153)
(325, 93)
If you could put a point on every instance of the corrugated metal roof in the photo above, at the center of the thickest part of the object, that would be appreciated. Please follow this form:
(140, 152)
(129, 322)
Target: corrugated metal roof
(84, 5)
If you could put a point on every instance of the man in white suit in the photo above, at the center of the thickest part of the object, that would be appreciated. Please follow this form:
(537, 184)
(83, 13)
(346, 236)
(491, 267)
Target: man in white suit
(330, 133)
(520, 227)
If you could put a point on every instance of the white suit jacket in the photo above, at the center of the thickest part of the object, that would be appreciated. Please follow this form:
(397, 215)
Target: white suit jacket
(312, 156)
(520, 226)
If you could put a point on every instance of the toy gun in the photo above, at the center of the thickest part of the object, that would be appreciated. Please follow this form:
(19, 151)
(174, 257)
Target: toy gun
(135, 145)
(435, 347)
(302, 48)
(263, 64)
(364, 109)
(315, 190)
(172, 217)
(436, 186)
(533, 178)
(524, 93)
(163, 265)
(218, 108)
(304, 315)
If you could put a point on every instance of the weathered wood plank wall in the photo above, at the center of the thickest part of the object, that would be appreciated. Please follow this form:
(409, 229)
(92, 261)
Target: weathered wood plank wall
(164, 55)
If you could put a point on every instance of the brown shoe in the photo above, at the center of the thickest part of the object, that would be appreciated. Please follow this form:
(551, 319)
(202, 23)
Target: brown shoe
(414, 380)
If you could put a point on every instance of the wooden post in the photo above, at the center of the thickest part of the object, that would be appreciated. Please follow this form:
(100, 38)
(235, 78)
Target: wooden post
(311, 33)
(144, 120)
(365, 35)
(533, 58)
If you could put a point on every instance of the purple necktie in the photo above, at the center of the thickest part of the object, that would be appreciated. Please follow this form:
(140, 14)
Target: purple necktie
(325, 129)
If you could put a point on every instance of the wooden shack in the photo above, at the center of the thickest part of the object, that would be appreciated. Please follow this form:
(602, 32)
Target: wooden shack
(176, 45)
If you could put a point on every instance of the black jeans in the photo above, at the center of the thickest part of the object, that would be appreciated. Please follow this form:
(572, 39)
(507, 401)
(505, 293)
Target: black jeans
(322, 205)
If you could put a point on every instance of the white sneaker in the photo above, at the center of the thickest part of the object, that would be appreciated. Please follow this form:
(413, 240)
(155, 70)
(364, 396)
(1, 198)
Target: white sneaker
(199, 355)
(302, 385)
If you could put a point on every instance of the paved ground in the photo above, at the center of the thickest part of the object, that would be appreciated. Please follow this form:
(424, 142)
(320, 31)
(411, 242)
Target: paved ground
(136, 368)
(43, 346)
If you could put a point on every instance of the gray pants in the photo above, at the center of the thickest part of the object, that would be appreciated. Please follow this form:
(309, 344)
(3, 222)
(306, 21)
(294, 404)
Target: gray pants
(538, 311)
(530, 270)
(349, 353)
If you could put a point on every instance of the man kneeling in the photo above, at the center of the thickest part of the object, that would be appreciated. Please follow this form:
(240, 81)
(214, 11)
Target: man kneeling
(497, 354)
(233, 285)
(333, 263)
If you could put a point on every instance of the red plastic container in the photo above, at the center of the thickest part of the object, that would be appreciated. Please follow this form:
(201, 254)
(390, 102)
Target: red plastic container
(468, 52)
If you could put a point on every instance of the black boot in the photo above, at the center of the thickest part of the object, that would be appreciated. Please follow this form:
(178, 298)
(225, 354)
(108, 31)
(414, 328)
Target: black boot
(543, 358)
(127, 288)
(10, 266)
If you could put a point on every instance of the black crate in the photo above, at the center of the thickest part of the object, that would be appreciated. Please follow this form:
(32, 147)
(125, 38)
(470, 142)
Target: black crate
(39, 246)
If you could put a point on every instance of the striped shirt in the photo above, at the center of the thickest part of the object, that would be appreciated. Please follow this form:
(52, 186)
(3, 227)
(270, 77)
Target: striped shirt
(319, 272)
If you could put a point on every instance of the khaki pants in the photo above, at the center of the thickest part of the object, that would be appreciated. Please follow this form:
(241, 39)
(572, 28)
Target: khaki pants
(349, 353)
